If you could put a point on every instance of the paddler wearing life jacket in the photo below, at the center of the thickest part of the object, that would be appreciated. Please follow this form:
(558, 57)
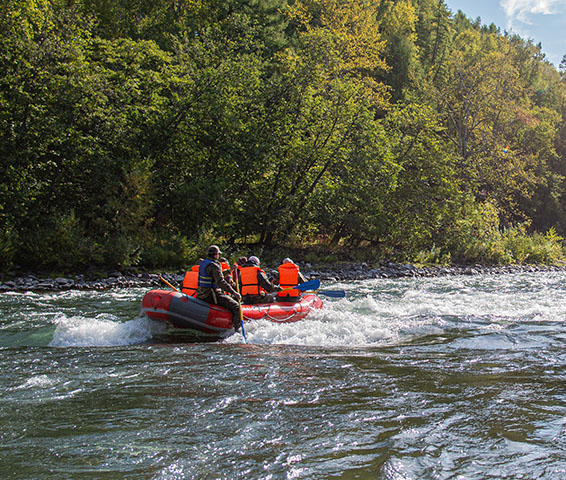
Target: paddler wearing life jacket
(190, 280)
(227, 272)
(211, 284)
(236, 275)
(289, 276)
(254, 283)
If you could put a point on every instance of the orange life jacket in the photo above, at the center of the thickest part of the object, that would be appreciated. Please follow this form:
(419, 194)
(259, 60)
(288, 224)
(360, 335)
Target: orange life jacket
(250, 285)
(225, 266)
(190, 282)
(288, 277)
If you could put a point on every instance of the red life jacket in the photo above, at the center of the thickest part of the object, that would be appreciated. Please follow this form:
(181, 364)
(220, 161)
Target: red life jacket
(288, 277)
(250, 284)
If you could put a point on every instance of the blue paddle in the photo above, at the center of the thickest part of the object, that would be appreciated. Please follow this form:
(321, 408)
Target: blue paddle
(310, 285)
(330, 293)
(241, 313)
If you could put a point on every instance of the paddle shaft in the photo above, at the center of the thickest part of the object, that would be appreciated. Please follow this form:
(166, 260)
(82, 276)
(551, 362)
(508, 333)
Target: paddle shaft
(330, 293)
(168, 284)
(240, 308)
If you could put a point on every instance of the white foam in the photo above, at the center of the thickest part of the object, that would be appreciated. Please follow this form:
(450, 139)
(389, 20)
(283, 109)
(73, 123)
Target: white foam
(377, 312)
(37, 381)
(103, 330)
(365, 321)
(384, 312)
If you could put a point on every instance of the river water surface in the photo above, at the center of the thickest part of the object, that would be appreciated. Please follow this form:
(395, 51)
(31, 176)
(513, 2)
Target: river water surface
(457, 377)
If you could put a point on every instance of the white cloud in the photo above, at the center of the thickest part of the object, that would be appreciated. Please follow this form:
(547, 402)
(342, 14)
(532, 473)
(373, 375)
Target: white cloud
(522, 10)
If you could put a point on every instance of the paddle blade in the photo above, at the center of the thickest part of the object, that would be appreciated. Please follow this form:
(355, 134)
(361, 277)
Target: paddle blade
(243, 331)
(310, 285)
(332, 293)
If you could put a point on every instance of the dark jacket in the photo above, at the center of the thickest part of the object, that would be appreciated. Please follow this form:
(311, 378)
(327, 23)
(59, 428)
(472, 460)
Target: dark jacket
(214, 270)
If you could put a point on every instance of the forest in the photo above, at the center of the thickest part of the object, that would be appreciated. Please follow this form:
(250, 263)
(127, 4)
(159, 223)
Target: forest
(135, 132)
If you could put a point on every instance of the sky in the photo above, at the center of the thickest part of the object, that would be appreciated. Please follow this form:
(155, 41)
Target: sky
(541, 21)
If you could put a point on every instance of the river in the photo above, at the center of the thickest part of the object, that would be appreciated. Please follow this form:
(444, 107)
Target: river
(456, 377)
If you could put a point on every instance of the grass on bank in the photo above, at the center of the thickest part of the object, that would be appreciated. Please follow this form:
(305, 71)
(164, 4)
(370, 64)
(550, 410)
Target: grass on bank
(512, 246)
(508, 246)
(478, 241)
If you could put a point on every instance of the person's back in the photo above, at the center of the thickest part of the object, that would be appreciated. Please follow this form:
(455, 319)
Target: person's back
(206, 286)
(211, 282)
(289, 277)
(254, 283)
(190, 281)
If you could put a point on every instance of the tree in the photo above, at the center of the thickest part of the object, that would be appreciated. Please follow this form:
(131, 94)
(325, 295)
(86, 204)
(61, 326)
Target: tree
(427, 187)
(321, 89)
(398, 27)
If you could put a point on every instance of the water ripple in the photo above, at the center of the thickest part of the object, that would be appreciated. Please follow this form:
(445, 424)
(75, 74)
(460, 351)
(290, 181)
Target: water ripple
(456, 377)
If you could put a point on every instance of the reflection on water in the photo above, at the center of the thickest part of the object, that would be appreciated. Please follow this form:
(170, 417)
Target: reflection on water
(455, 377)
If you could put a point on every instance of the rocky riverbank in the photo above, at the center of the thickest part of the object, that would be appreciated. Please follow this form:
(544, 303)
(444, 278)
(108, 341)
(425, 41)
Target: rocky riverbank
(334, 272)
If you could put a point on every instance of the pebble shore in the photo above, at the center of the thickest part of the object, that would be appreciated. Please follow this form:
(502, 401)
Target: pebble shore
(337, 272)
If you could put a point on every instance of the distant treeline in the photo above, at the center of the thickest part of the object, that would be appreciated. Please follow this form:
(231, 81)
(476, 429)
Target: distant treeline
(133, 132)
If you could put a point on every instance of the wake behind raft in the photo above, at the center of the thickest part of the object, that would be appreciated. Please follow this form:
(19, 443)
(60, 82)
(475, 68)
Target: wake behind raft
(186, 312)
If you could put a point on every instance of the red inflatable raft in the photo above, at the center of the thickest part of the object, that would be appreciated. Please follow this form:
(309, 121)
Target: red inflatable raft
(183, 311)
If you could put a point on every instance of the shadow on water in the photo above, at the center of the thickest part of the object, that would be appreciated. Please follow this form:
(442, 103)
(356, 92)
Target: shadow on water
(177, 335)
(38, 337)
(44, 337)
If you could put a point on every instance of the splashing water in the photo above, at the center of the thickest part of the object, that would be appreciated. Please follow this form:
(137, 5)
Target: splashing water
(449, 377)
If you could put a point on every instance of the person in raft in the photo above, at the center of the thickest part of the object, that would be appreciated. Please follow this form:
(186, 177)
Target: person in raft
(288, 276)
(227, 272)
(254, 283)
(211, 283)
(236, 269)
(190, 280)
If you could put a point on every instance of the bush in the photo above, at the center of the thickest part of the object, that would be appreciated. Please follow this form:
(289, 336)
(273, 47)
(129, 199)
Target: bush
(435, 256)
(8, 242)
(472, 236)
(169, 250)
(514, 246)
(475, 236)
(532, 248)
(59, 242)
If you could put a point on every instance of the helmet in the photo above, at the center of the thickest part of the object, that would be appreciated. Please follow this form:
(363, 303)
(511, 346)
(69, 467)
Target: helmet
(287, 260)
(253, 259)
(213, 250)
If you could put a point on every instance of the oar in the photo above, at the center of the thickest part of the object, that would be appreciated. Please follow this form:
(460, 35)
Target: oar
(330, 293)
(313, 284)
(241, 313)
(310, 285)
(167, 283)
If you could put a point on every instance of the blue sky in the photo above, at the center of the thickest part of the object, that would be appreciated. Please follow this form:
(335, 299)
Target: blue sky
(541, 21)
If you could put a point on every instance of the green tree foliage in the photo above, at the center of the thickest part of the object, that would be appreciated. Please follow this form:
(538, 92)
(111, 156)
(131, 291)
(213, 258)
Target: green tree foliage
(398, 24)
(320, 112)
(501, 137)
(132, 131)
(434, 34)
(427, 184)
(80, 112)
